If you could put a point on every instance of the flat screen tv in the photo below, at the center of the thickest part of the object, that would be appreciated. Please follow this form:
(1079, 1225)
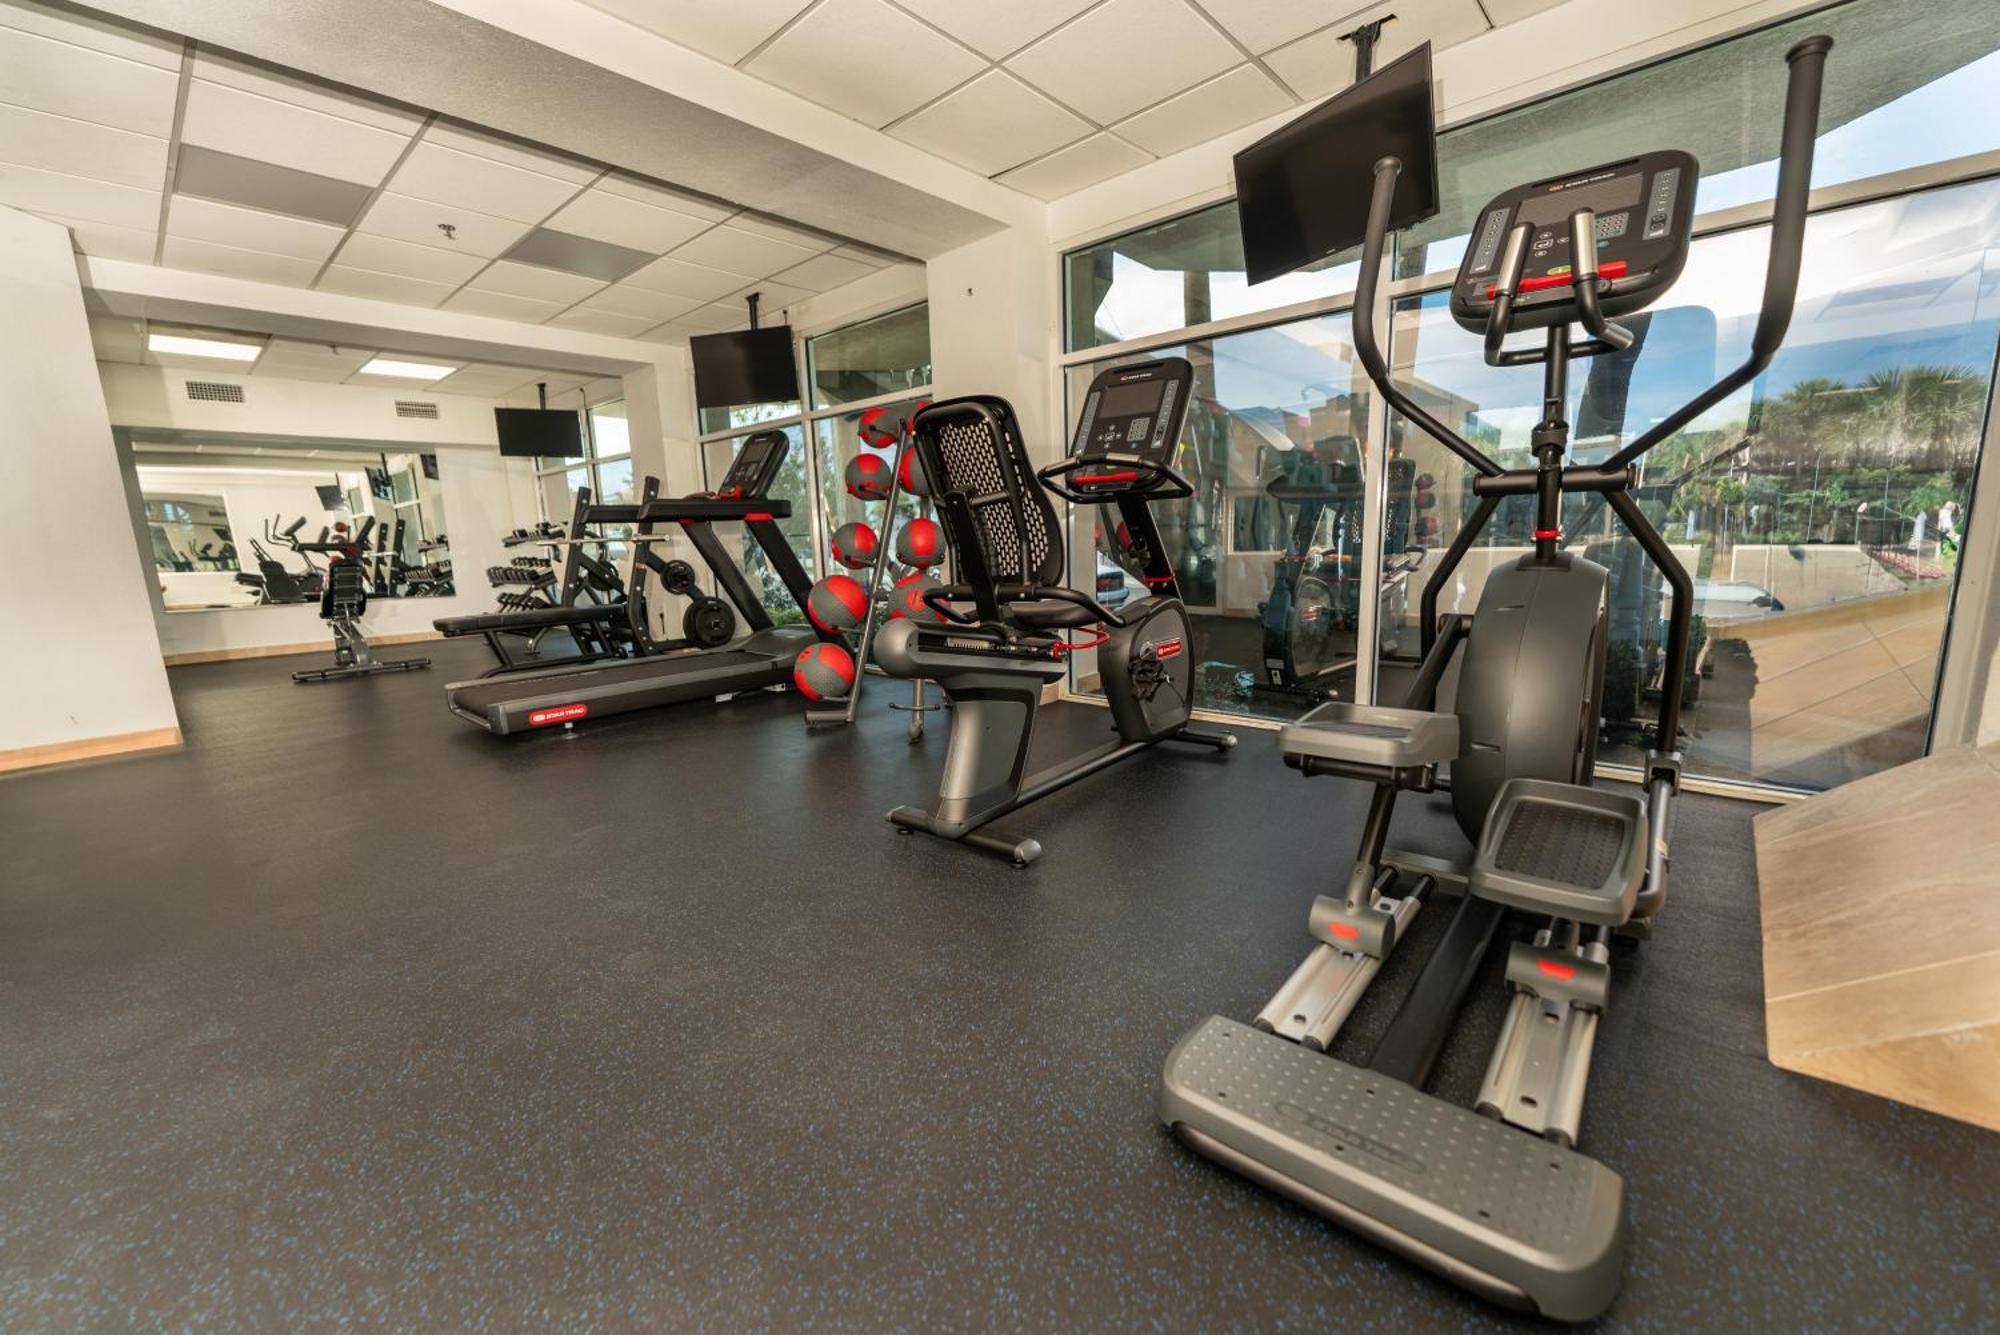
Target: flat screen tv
(1302, 190)
(747, 366)
(549, 433)
(330, 496)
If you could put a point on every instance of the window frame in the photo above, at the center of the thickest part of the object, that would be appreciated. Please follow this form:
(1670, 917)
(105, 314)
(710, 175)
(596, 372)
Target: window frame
(807, 419)
(1959, 677)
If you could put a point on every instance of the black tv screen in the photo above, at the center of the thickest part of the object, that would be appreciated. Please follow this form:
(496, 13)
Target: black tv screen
(747, 366)
(1302, 190)
(330, 496)
(550, 433)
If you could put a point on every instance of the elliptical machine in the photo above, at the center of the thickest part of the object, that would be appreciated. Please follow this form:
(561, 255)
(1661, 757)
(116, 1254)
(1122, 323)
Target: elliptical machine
(1006, 547)
(341, 605)
(1497, 1199)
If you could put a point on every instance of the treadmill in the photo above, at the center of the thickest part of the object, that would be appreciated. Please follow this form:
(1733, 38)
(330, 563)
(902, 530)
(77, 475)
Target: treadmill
(763, 656)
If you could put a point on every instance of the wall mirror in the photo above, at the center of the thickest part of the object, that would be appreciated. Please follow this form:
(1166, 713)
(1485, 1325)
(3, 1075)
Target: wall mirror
(233, 526)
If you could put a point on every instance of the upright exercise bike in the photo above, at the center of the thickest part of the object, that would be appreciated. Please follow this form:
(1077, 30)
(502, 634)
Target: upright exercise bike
(1006, 546)
(342, 603)
(1497, 1199)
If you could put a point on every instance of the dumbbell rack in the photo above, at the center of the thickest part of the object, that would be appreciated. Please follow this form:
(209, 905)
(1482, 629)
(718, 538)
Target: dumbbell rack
(878, 593)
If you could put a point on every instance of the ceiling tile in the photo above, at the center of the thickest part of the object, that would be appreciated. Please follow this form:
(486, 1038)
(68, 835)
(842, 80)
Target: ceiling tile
(837, 55)
(773, 296)
(1168, 47)
(758, 225)
(874, 259)
(728, 30)
(382, 286)
(300, 91)
(713, 319)
(664, 197)
(624, 299)
(993, 123)
(233, 121)
(1513, 11)
(603, 322)
(272, 233)
(301, 352)
(992, 28)
(1322, 64)
(571, 254)
(823, 273)
(87, 30)
(673, 334)
(1235, 99)
(321, 372)
(502, 305)
(228, 179)
(730, 247)
(75, 197)
(108, 242)
(417, 220)
(383, 254)
(1263, 24)
(679, 278)
(1097, 158)
(447, 176)
(603, 216)
(462, 138)
(86, 85)
(531, 280)
(235, 262)
(482, 378)
(60, 144)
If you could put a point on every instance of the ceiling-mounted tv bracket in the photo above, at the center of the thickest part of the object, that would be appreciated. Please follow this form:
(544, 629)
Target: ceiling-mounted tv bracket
(542, 393)
(1364, 38)
(752, 301)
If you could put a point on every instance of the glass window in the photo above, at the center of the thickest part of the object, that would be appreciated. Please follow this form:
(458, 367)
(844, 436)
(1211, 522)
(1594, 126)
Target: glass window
(745, 415)
(1819, 511)
(1911, 82)
(610, 434)
(838, 440)
(1268, 547)
(716, 457)
(886, 355)
(1184, 271)
(614, 481)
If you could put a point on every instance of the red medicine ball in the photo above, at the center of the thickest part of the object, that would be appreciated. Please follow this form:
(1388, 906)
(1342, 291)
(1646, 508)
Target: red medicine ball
(854, 546)
(823, 672)
(867, 477)
(837, 604)
(919, 543)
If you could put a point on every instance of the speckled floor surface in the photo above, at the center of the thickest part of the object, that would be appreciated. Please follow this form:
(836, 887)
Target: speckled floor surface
(350, 1012)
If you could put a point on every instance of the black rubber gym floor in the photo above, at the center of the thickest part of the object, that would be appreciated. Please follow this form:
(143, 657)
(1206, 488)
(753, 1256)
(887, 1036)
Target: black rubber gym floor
(349, 1012)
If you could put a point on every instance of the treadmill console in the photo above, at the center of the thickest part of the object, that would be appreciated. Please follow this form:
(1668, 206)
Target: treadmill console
(1644, 215)
(1136, 411)
(756, 466)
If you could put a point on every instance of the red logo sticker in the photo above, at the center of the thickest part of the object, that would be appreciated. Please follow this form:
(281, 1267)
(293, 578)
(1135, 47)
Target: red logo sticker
(1166, 649)
(1343, 931)
(541, 718)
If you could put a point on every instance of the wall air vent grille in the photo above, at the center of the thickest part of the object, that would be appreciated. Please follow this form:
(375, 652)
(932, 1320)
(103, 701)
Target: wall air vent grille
(416, 408)
(214, 391)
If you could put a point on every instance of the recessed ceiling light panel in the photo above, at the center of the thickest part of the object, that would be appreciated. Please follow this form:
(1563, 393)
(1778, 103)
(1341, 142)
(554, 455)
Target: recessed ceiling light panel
(388, 366)
(189, 346)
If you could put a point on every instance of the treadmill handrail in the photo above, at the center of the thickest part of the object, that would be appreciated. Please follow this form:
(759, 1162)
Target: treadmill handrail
(708, 510)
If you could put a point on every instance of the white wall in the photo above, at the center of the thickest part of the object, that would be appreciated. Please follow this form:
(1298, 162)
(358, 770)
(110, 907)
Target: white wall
(80, 659)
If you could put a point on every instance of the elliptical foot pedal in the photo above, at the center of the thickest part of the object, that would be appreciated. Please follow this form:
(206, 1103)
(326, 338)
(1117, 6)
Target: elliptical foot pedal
(1562, 849)
(1518, 1220)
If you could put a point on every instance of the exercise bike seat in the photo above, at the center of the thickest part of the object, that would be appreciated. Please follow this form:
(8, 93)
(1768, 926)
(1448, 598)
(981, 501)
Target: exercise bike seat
(1373, 735)
(1562, 849)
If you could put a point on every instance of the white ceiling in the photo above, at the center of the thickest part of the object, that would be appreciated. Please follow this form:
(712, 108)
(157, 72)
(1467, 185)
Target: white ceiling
(1050, 96)
(92, 120)
(117, 339)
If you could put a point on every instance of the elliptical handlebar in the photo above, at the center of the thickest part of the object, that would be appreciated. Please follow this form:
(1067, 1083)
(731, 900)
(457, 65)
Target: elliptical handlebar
(1365, 346)
(1806, 62)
